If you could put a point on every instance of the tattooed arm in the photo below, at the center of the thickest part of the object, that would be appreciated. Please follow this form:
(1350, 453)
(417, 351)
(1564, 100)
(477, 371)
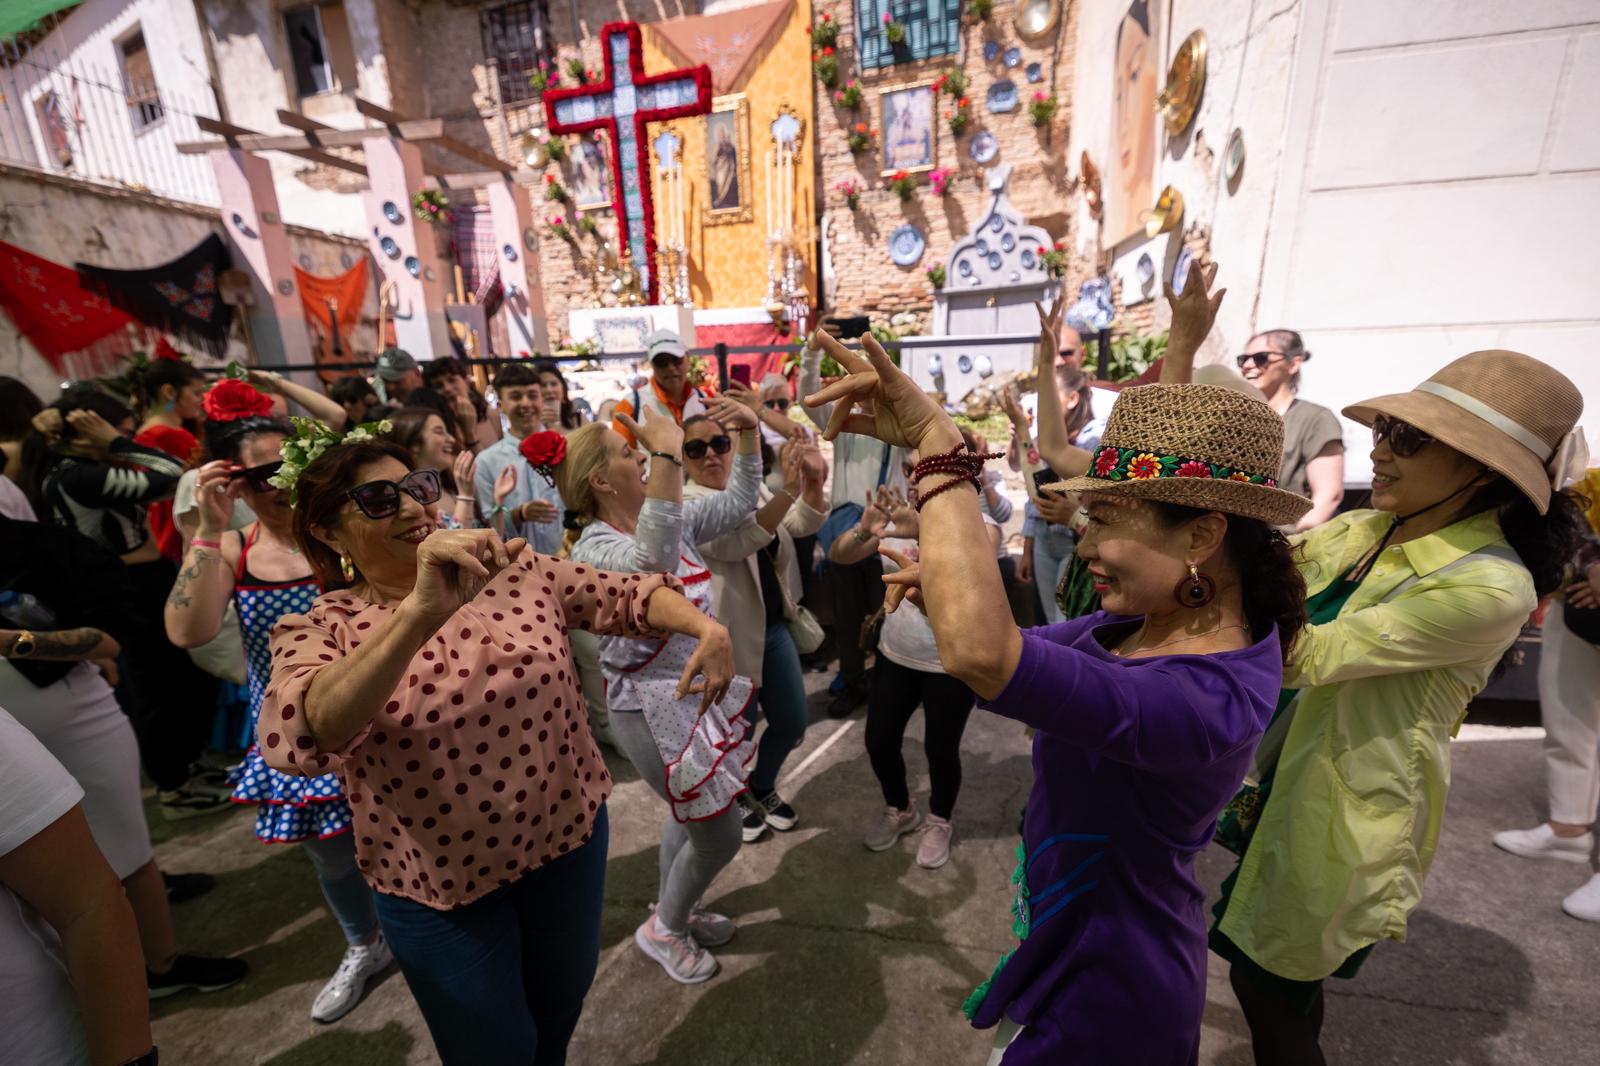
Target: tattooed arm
(200, 595)
(85, 642)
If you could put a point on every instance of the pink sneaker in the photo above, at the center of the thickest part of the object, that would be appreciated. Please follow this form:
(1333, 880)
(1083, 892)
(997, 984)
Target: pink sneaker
(891, 825)
(685, 961)
(934, 851)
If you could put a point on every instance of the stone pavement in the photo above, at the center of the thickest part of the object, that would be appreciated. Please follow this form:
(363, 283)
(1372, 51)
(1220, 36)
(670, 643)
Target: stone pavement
(845, 956)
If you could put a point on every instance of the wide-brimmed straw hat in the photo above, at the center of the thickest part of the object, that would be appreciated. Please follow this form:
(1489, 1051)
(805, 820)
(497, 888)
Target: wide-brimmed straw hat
(1202, 446)
(1509, 411)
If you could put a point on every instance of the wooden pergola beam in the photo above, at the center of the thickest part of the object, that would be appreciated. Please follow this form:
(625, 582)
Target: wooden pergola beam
(481, 179)
(238, 136)
(396, 121)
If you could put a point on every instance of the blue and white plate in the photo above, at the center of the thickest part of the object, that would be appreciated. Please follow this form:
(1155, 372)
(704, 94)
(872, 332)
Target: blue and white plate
(1013, 57)
(1002, 97)
(990, 50)
(983, 146)
(906, 245)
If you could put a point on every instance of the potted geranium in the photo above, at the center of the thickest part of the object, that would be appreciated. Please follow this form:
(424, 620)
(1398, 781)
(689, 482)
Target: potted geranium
(861, 136)
(554, 190)
(558, 227)
(1041, 109)
(825, 34)
(850, 189)
(959, 117)
(936, 275)
(431, 206)
(939, 180)
(953, 82)
(979, 10)
(849, 96)
(825, 65)
(894, 32)
(903, 184)
(1055, 260)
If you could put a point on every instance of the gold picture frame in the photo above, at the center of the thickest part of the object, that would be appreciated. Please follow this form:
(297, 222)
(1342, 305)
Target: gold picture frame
(727, 148)
(921, 131)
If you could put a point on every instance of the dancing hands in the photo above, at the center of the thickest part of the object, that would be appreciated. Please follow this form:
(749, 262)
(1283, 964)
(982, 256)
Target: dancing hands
(892, 408)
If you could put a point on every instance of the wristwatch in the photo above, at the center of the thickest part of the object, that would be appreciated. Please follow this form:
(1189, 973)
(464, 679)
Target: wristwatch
(23, 646)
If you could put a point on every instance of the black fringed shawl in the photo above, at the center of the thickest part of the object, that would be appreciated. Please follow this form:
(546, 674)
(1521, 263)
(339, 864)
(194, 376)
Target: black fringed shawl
(179, 297)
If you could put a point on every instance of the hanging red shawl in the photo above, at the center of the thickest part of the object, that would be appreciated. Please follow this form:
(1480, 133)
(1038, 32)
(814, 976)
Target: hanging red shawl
(48, 306)
(179, 297)
(347, 292)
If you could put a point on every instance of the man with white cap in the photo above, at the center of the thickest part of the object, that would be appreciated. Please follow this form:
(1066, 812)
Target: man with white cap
(670, 393)
(397, 375)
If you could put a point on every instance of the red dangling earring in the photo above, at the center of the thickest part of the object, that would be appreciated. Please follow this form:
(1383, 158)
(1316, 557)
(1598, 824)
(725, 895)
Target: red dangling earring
(1196, 590)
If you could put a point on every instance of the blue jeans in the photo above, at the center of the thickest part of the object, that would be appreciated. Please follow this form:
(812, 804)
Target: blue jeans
(501, 981)
(1053, 549)
(783, 700)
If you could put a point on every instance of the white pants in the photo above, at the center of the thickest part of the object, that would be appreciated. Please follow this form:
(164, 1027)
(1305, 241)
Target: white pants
(1569, 703)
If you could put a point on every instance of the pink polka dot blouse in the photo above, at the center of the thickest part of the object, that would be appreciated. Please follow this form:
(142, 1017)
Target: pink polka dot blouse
(480, 766)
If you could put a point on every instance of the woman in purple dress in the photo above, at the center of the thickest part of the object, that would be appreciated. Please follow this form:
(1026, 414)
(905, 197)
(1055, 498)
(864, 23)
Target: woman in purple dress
(1147, 712)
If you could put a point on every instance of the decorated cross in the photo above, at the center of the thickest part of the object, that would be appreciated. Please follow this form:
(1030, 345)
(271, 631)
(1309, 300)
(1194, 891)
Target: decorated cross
(620, 105)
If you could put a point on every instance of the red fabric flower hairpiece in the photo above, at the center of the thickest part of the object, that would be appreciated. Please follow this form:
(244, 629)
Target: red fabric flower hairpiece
(231, 399)
(165, 350)
(544, 452)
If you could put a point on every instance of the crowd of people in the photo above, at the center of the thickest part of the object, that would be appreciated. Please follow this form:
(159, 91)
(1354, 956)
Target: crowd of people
(415, 625)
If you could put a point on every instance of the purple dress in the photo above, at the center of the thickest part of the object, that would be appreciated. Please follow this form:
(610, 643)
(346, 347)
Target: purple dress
(1133, 760)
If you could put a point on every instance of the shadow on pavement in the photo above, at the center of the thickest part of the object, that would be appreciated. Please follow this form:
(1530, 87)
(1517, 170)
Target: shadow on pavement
(337, 1047)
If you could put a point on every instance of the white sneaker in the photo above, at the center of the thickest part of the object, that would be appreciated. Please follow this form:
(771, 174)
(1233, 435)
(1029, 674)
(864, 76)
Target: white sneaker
(1541, 842)
(343, 990)
(934, 851)
(891, 825)
(684, 960)
(1585, 903)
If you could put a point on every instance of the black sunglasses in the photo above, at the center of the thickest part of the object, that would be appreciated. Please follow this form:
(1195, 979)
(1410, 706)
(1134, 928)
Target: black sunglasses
(1405, 440)
(696, 449)
(1260, 359)
(381, 499)
(775, 405)
(258, 477)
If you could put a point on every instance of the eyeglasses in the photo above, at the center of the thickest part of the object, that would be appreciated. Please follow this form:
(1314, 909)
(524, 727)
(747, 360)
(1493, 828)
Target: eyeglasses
(696, 449)
(381, 499)
(775, 405)
(1258, 359)
(1404, 439)
(257, 477)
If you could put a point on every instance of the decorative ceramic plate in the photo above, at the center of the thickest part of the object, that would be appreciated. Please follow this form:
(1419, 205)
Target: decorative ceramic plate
(1013, 56)
(413, 266)
(1233, 156)
(392, 213)
(1147, 270)
(286, 286)
(906, 244)
(964, 363)
(1002, 96)
(510, 252)
(1180, 269)
(1035, 73)
(1028, 258)
(390, 248)
(990, 50)
(983, 146)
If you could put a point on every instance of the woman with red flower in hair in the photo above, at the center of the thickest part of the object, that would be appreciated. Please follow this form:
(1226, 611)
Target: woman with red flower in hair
(259, 569)
(168, 392)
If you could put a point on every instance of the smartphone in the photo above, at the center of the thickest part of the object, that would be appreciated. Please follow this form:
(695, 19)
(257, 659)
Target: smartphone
(740, 372)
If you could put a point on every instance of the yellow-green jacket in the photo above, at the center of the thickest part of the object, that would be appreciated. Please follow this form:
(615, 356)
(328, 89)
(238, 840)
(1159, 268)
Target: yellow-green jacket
(1338, 859)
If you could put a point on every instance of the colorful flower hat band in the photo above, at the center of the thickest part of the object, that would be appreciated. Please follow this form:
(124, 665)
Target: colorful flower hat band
(1133, 464)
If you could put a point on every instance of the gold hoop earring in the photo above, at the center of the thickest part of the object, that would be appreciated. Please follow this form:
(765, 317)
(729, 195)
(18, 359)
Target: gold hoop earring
(347, 568)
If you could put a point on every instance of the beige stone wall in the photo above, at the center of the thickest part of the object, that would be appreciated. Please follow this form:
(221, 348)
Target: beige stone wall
(868, 281)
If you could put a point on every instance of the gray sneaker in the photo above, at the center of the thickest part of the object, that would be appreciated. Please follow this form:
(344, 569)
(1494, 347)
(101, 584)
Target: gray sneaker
(709, 929)
(891, 825)
(685, 961)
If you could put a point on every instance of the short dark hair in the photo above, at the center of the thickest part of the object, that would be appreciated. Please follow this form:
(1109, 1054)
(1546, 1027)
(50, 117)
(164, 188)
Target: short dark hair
(18, 405)
(38, 458)
(225, 440)
(519, 373)
(148, 382)
(350, 389)
(320, 494)
(436, 370)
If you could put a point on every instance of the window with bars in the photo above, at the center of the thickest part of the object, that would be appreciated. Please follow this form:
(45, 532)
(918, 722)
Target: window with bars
(518, 37)
(139, 82)
(933, 28)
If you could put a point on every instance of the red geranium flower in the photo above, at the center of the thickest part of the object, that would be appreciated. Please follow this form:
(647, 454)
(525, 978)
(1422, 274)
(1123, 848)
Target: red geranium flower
(1194, 469)
(231, 399)
(544, 452)
(1106, 462)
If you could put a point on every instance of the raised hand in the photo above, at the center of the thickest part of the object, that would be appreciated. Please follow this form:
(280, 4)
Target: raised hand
(465, 466)
(1057, 508)
(453, 566)
(1194, 311)
(657, 433)
(814, 466)
(733, 413)
(215, 493)
(712, 663)
(1011, 404)
(94, 430)
(904, 583)
(505, 483)
(792, 458)
(743, 394)
(892, 408)
(267, 381)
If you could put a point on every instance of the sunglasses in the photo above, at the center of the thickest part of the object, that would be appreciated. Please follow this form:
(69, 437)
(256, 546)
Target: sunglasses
(1404, 439)
(1257, 359)
(696, 449)
(257, 477)
(775, 405)
(381, 499)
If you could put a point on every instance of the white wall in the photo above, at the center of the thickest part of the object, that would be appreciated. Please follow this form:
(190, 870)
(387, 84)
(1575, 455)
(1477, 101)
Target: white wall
(1419, 181)
(81, 62)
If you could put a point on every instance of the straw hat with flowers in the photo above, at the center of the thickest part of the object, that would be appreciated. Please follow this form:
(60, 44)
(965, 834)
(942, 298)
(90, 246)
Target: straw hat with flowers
(1509, 411)
(1202, 446)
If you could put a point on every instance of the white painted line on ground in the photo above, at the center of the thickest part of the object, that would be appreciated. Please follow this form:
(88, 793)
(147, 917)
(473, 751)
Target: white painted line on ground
(814, 756)
(1471, 731)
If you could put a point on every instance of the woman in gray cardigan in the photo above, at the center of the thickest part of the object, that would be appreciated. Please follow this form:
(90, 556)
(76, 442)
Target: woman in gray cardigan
(695, 752)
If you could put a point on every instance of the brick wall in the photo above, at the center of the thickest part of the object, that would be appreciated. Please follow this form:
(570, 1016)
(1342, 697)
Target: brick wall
(868, 281)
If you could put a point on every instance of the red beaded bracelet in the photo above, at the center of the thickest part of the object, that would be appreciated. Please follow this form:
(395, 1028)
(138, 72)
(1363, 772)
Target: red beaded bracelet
(961, 463)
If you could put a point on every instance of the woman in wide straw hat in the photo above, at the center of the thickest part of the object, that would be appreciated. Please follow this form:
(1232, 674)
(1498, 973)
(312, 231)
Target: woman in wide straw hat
(1413, 604)
(1147, 713)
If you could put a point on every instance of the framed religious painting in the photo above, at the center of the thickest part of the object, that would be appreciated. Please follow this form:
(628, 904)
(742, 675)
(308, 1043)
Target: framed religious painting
(590, 174)
(1130, 178)
(729, 197)
(908, 127)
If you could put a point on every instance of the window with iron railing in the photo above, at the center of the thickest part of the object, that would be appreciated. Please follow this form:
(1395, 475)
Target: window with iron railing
(517, 36)
(932, 28)
(139, 82)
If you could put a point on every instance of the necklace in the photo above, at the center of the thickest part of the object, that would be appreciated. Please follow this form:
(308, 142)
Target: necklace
(1183, 640)
(291, 548)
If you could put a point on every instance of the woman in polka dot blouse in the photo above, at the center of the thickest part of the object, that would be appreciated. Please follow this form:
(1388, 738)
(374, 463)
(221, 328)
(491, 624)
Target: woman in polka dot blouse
(630, 507)
(436, 680)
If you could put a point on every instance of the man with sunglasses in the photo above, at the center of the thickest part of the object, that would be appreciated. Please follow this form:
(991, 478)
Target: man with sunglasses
(533, 510)
(670, 393)
(1313, 439)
